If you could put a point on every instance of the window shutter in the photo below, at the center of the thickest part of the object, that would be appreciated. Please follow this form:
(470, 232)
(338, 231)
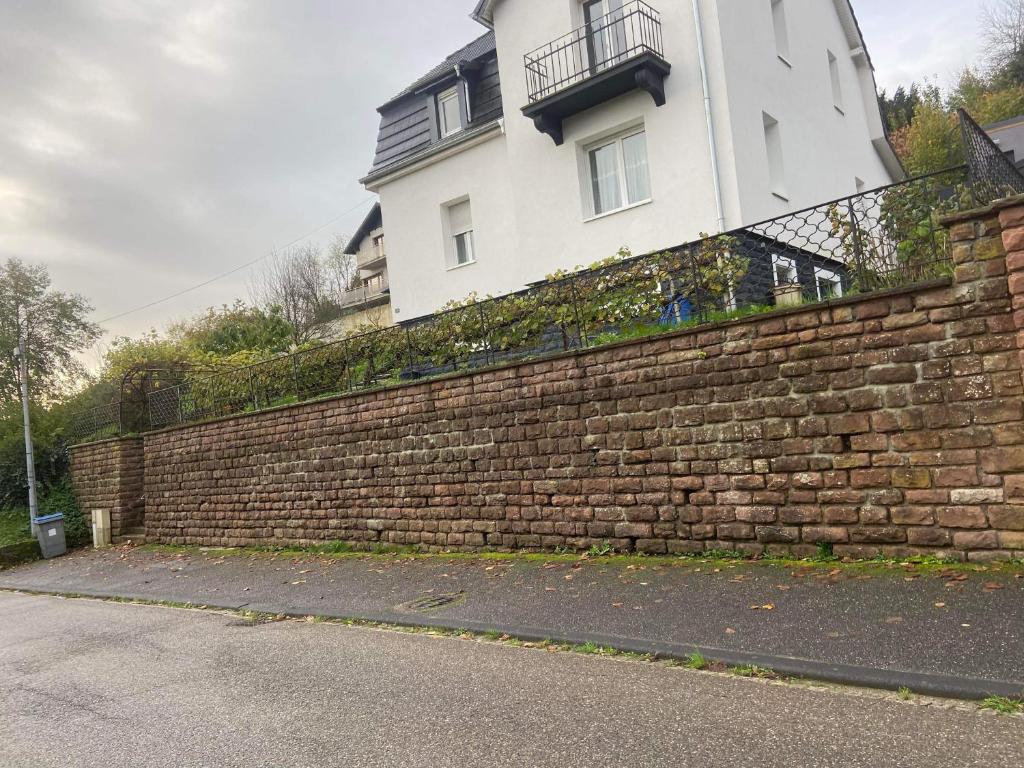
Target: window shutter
(460, 218)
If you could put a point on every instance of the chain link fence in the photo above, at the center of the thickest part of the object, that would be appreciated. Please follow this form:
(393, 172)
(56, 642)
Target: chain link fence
(871, 241)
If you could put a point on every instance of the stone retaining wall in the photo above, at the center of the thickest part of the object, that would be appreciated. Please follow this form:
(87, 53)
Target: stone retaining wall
(887, 424)
(109, 475)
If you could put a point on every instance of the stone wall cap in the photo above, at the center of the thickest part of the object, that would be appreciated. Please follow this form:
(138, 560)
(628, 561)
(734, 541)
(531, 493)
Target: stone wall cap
(982, 212)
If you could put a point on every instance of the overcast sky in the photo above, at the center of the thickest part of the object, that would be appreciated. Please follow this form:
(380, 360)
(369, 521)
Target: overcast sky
(147, 146)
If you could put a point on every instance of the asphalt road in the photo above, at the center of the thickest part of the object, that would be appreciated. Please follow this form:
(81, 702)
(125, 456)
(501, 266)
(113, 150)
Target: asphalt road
(100, 684)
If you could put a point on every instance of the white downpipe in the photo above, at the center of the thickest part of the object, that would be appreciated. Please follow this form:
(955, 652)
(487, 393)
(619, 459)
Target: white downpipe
(709, 116)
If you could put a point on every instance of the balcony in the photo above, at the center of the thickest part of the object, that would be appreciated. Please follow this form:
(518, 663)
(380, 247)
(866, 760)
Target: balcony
(605, 58)
(374, 291)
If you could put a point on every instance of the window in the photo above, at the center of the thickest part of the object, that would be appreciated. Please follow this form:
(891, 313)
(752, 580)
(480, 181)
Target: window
(462, 250)
(378, 246)
(781, 29)
(618, 173)
(837, 84)
(776, 165)
(449, 112)
(785, 270)
(606, 36)
(828, 283)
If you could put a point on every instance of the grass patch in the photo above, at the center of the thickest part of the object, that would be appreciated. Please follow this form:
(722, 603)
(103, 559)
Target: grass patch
(905, 694)
(605, 554)
(14, 527)
(1003, 705)
(750, 670)
(696, 661)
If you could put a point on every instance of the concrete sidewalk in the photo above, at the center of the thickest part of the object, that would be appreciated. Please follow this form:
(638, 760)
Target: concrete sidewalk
(938, 632)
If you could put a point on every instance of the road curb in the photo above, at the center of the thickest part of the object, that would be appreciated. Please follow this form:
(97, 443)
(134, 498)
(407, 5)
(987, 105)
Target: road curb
(943, 686)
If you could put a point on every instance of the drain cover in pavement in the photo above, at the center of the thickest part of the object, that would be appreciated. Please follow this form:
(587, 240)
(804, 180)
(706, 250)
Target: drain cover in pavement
(432, 603)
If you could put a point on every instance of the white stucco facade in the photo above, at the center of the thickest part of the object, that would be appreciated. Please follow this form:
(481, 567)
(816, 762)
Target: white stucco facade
(530, 208)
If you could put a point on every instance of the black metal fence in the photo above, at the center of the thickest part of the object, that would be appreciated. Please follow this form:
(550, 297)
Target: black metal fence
(602, 43)
(883, 238)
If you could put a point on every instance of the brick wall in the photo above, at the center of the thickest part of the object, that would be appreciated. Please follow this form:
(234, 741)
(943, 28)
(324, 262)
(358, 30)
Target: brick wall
(109, 475)
(889, 424)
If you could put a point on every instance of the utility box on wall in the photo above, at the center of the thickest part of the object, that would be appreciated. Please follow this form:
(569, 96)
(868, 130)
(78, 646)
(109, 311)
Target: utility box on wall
(102, 536)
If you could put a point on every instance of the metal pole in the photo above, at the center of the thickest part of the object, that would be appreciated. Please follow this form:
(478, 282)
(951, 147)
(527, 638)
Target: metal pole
(30, 462)
(858, 248)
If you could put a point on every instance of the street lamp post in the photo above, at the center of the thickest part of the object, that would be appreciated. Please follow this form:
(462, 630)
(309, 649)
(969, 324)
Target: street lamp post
(30, 464)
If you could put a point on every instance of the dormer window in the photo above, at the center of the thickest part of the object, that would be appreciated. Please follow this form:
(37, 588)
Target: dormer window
(449, 112)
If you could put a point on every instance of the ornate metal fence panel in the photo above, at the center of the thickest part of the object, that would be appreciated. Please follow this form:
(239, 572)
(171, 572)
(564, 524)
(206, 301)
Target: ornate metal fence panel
(992, 174)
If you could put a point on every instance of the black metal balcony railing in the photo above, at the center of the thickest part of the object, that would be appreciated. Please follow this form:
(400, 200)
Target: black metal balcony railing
(631, 31)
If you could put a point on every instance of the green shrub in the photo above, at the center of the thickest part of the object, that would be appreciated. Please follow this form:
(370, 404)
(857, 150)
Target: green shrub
(60, 497)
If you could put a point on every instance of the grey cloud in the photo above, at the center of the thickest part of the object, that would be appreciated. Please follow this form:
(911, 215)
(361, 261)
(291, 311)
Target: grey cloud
(147, 146)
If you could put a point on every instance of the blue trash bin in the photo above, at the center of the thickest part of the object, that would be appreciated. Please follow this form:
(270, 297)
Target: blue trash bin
(51, 535)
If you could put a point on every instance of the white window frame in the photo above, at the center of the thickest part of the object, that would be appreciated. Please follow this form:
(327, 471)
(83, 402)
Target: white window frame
(453, 235)
(443, 129)
(832, 277)
(789, 263)
(470, 248)
(588, 178)
(837, 82)
(780, 26)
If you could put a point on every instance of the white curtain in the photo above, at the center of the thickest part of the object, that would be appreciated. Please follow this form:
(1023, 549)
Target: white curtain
(638, 179)
(604, 163)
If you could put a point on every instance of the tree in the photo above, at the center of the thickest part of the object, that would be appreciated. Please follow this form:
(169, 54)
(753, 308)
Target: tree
(342, 272)
(1003, 33)
(233, 329)
(898, 111)
(55, 327)
(300, 284)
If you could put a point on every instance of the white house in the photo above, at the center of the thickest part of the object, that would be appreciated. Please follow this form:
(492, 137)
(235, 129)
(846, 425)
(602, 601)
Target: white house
(571, 129)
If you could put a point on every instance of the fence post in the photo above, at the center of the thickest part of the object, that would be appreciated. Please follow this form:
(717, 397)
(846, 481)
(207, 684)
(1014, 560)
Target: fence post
(181, 410)
(348, 364)
(697, 299)
(858, 247)
(120, 416)
(252, 392)
(485, 330)
(295, 378)
(410, 360)
(581, 331)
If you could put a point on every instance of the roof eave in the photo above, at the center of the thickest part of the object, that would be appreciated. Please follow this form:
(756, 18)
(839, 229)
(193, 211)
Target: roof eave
(484, 13)
(365, 228)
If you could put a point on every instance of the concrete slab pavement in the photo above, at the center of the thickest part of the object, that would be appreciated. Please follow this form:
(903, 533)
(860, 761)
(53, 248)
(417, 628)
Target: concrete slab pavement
(940, 632)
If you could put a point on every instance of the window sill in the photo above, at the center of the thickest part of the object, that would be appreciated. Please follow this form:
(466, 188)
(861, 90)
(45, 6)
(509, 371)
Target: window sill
(460, 266)
(784, 60)
(606, 214)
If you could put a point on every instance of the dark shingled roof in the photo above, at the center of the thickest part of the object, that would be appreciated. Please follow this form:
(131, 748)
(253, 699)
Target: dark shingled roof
(480, 47)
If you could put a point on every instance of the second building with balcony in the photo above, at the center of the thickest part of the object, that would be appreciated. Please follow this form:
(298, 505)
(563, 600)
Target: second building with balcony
(572, 129)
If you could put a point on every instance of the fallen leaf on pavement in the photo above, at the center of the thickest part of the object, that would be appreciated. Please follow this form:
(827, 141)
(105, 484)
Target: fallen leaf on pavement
(992, 586)
(767, 607)
(730, 631)
(940, 605)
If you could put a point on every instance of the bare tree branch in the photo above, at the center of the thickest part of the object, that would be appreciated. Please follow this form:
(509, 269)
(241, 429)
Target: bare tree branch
(1003, 32)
